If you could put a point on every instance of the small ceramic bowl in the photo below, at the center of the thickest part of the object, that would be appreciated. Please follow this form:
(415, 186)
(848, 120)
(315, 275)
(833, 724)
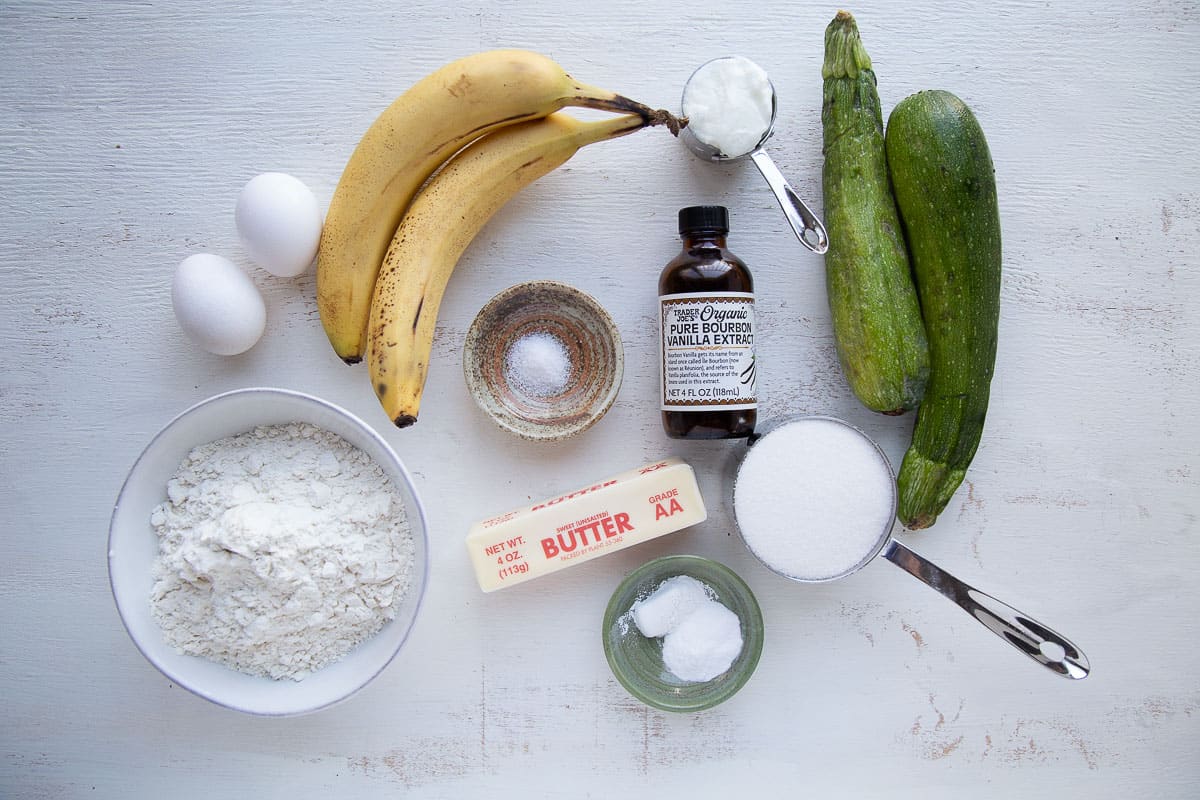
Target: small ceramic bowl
(133, 549)
(637, 661)
(567, 403)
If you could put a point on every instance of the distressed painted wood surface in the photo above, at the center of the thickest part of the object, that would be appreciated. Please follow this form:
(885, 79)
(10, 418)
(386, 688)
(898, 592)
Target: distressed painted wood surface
(126, 130)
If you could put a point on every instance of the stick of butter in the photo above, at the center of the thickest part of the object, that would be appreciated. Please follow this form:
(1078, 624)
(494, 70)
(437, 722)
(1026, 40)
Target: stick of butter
(610, 515)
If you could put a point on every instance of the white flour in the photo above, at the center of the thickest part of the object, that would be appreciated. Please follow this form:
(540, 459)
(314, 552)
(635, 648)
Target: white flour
(280, 550)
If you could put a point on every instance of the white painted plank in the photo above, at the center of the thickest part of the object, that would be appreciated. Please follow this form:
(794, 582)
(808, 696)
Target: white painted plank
(126, 130)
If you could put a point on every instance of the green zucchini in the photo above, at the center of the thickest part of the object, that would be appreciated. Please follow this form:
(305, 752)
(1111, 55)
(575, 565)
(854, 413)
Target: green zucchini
(945, 189)
(877, 324)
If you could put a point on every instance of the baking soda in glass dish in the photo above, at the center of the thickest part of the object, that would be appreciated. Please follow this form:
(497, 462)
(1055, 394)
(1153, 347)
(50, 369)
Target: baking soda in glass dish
(814, 499)
(674, 599)
(701, 638)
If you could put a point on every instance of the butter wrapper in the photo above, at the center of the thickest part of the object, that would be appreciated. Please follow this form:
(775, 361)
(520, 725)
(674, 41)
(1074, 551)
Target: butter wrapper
(601, 518)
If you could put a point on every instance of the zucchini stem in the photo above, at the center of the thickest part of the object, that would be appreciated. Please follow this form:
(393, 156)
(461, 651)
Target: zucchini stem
(845, 54)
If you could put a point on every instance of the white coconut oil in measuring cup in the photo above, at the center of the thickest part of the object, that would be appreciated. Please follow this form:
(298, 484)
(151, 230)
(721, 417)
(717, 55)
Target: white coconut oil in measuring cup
(815, 501)
(730, 105)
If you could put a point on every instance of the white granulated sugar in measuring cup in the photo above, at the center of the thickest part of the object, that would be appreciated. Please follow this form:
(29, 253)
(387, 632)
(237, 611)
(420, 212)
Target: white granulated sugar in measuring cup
(814, 499)
(729, 104)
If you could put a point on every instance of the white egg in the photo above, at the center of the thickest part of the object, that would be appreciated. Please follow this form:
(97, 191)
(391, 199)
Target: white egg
(217, 305)
(279, 223)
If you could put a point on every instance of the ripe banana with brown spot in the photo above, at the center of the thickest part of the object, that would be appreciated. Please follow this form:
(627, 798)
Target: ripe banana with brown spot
(443, 220)
(413, 137)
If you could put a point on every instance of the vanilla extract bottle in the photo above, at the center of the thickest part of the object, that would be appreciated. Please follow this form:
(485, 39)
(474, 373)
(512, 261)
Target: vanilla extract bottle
(706, 327)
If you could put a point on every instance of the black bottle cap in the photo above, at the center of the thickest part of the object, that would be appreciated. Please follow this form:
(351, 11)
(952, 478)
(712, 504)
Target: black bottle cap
(703, 218)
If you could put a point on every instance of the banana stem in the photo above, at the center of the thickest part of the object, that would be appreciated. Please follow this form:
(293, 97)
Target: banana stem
(604, 100)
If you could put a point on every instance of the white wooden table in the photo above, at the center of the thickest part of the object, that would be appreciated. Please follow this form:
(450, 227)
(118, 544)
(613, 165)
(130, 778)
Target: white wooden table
(126, 131)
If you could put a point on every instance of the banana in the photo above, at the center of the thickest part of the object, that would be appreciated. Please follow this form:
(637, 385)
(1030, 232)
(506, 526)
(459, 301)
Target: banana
(443, 220)
(420, 130)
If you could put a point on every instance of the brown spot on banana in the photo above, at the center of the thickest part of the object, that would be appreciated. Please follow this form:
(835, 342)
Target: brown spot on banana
(417, 315)
(461, 86)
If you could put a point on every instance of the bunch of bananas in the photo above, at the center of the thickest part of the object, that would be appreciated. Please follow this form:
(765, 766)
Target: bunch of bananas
(483, 127)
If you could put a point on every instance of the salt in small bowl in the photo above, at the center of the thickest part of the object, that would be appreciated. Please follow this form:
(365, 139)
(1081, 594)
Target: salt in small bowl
(591, 344)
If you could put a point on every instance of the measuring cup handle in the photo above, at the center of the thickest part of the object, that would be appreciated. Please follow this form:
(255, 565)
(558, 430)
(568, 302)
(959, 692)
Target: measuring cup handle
(804, 222)
(1026, 634)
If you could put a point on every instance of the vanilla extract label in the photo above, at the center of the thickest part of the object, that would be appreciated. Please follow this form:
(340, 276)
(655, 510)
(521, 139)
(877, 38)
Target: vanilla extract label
(708, 351)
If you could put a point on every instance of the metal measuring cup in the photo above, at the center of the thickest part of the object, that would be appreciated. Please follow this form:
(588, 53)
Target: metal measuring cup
(805, 224)
(1045, 646)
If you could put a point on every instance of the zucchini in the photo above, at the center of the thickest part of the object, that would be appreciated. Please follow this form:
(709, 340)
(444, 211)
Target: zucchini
(945, 189)
(877, 324)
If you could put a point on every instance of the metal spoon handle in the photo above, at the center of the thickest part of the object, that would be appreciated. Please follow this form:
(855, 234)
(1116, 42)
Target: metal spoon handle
(804, 222)
(1026, 634)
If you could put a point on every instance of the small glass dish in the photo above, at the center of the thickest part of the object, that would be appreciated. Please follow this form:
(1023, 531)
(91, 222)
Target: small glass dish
(637, 661)
(592, 350)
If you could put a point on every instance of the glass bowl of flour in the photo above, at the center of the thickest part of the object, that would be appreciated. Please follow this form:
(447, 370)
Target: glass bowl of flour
(268, 552)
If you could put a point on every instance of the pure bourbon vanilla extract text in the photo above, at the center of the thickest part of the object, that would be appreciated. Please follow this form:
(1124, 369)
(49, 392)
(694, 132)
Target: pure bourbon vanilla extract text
(706, 329)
